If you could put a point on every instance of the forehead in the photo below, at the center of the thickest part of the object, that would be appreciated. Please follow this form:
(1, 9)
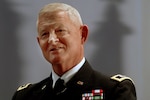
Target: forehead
(52, 17)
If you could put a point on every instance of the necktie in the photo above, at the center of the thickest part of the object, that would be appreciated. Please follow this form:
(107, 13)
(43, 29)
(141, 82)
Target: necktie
(59, 86)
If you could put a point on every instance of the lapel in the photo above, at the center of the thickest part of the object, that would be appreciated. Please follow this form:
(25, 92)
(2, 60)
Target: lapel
(81, 79)
(82, 86)
(44, 90)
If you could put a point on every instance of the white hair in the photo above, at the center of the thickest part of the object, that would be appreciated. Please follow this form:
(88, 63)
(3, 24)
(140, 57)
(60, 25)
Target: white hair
(52, 7)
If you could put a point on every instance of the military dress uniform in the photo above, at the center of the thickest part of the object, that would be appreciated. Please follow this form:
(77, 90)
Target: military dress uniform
(86, 84)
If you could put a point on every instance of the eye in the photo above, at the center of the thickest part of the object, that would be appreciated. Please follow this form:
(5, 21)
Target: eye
(44, 34)
(60, 30)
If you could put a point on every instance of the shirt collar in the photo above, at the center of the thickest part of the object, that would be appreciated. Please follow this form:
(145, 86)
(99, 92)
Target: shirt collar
(69, 74)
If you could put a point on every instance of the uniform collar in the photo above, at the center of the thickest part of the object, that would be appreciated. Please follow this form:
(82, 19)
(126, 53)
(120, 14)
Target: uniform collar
(69, 74)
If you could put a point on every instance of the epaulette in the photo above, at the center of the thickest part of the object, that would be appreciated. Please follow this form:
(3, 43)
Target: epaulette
(121, 78)
(23, 86)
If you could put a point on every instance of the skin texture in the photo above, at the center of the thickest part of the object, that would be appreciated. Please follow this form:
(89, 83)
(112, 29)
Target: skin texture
(61, 40)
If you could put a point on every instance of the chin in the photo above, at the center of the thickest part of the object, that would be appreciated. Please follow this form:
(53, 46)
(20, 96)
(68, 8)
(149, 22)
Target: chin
(55, 61)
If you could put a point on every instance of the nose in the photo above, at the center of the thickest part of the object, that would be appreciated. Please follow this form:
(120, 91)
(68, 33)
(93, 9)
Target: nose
(53, 38)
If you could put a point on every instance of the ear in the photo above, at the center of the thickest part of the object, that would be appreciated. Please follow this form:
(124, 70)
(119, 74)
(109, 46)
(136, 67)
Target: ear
(84, 34)
(38, 40)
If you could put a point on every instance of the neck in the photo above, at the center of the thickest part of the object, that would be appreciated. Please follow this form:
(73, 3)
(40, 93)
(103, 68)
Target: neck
(62, 68)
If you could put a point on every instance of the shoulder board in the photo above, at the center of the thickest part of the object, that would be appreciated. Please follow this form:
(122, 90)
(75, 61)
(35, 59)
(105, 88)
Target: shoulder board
(23, 86)
(120, 78)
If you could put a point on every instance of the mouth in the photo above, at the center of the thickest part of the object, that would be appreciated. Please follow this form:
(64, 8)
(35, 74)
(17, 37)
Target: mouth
(55, 49)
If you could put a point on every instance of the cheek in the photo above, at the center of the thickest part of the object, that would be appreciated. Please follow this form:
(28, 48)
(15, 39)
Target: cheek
(43, 45)
(74, 44)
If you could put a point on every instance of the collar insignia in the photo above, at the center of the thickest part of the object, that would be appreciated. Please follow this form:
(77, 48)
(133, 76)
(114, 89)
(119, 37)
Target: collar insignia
(43, 87)
(80, 83)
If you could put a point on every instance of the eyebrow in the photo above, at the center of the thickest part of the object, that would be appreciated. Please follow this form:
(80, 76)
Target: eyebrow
(44, 27)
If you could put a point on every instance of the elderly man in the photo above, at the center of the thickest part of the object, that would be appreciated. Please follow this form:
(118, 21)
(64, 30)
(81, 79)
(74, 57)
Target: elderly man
(61, 37)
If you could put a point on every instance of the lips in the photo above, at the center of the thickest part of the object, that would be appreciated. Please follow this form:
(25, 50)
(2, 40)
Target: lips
(55, 48)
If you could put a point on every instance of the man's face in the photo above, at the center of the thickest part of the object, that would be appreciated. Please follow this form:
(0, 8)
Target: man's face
(59, 38)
